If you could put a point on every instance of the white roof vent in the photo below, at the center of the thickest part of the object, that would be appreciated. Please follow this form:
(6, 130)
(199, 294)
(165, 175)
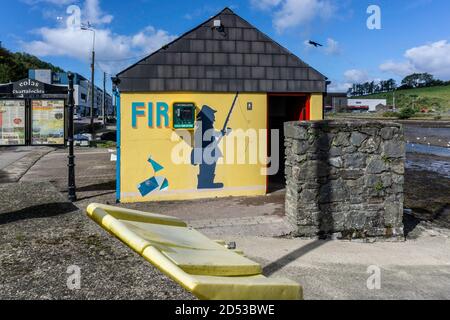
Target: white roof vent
(217, 23)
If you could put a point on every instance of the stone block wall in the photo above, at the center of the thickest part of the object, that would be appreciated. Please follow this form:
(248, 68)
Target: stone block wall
(345, 178)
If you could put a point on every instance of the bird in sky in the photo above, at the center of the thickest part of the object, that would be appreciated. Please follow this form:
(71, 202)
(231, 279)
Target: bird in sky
(315, 44)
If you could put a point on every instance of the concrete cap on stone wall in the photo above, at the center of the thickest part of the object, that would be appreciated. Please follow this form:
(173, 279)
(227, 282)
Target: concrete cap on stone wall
(292, 129)
(344, 123)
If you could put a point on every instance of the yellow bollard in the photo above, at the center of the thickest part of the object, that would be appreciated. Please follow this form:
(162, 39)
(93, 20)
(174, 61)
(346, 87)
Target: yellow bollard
(202, 266)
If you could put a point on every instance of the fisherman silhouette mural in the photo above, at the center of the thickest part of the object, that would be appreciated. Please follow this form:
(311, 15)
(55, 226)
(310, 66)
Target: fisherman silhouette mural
(206, 151)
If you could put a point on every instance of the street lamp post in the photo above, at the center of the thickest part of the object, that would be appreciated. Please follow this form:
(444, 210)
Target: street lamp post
(393, 100)
(89, 28)
(104, 99)
(71, 157)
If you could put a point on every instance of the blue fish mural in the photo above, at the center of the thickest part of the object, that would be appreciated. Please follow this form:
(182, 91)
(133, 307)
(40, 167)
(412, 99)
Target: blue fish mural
(155, 183)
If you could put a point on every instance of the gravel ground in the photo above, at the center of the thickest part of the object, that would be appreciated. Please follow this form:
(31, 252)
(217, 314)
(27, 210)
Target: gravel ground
(37, 246)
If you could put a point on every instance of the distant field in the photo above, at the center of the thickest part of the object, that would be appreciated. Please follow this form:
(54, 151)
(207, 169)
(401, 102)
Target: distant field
(437, 98)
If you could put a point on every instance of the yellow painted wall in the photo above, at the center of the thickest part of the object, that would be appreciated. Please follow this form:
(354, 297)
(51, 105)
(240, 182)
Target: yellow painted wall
(316, 110)
(138, 144)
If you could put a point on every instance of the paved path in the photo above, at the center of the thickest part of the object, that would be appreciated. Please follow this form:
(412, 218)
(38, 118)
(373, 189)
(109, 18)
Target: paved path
(91, 164)
(16, 161)
(415, 269)
(10, 155)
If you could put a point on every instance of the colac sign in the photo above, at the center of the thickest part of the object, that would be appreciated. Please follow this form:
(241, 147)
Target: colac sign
(28, 87)
(157, 114)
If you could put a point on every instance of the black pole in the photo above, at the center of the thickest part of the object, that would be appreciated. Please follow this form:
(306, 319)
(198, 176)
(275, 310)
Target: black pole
(93, 93)
(71, 165)
(104, 99)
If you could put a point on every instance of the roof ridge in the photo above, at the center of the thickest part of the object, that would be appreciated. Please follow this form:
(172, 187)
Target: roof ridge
(283, 48)
(224, 10)
(244, 57)
(175, 40)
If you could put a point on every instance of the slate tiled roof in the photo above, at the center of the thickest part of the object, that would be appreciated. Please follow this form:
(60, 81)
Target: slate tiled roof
(241, 58)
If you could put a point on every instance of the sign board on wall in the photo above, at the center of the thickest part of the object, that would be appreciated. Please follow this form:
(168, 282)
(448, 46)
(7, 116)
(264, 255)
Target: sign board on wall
(44, 76)
(12, 122)
(28, 87)
(47, 122)
(183, 115)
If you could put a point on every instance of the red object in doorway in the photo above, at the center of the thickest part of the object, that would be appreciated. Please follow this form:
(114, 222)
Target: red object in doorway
(305, 114)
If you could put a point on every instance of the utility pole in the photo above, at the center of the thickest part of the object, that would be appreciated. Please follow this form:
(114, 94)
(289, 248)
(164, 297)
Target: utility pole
(71, 181)
(104, 99)
(394, 101)
(89, 28)
(92, 92)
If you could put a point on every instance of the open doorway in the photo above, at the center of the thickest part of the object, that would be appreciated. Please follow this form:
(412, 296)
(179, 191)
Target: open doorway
(283, 108)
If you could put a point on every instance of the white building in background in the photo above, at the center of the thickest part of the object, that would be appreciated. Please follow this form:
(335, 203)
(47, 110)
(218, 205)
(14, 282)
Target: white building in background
(362, 105)
(82, 91)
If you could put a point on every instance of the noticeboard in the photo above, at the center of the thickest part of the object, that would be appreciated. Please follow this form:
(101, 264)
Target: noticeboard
(184, 116)
(12, 122)
(48, 122)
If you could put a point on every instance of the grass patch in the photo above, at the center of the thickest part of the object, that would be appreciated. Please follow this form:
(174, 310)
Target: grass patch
(437, 98)
(106, 144)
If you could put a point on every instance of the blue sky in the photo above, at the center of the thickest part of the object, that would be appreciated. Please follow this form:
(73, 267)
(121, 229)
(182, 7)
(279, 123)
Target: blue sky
(414, 35)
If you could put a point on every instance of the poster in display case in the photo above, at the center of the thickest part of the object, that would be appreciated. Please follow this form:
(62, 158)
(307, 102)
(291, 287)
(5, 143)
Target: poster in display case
(12, 122)
(48, 122)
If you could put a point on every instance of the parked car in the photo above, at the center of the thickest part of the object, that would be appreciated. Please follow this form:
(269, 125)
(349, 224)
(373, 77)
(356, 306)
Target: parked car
(111, 119)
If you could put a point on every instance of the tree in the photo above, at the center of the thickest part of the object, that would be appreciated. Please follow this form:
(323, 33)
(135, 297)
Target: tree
(426, 79)
(382, 86)
(15, 66)
(417, 80)
(391, 85)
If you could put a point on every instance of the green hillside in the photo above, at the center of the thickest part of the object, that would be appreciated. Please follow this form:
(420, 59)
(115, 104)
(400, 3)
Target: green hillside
(14, 66)
(432, 98)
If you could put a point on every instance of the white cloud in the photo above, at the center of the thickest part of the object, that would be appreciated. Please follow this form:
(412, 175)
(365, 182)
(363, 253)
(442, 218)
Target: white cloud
(433, 58)
(94, 13)
(110, 47)
(356, 76)
(337, 86)
(292, 13)
(352, 76)
(332, 47)
(398, 68)
(151, 39)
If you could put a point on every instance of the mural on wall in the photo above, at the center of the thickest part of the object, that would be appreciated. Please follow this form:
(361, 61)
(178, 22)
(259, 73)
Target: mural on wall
(155, 183)
(206, 151)
(236, 164)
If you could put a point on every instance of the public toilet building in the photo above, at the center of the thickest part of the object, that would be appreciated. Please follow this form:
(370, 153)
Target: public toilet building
(197, 118)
